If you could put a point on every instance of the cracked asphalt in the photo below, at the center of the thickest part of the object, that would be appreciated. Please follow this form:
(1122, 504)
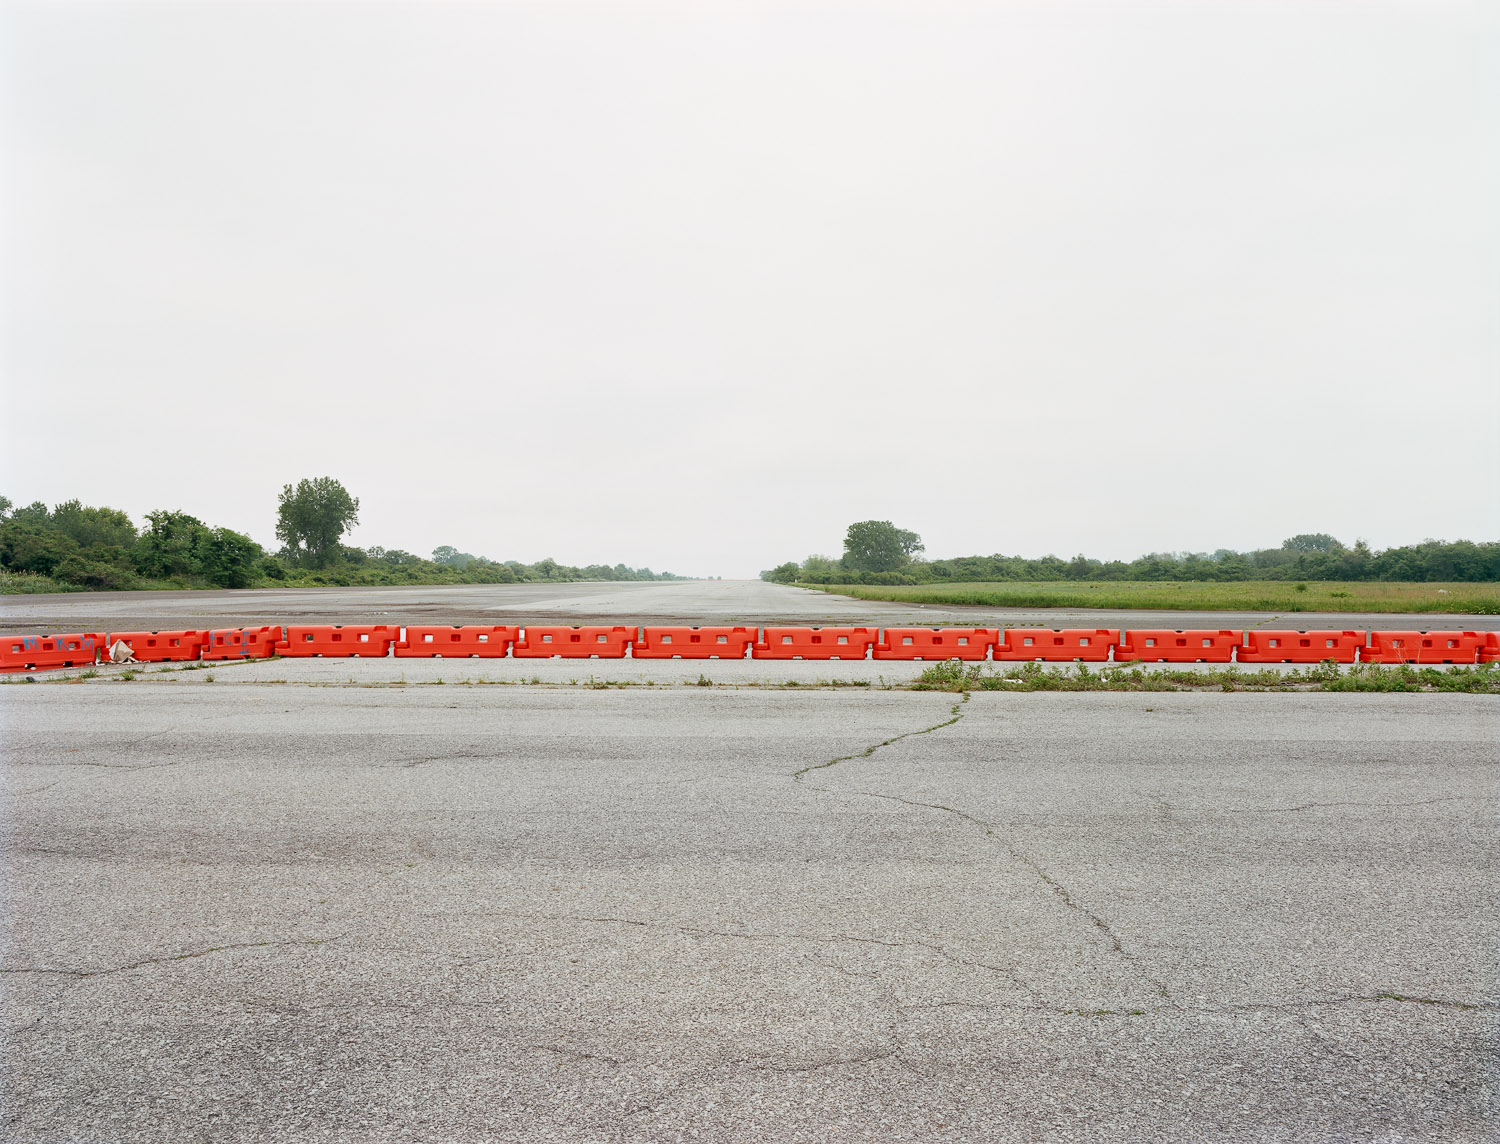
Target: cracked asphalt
(258, 911)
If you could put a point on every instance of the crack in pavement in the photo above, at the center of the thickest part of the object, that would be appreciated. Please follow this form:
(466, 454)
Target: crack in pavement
(821, 939)
(1289, 1008)
(870, 750)
(84, 974)
(1320, 805)
(1057, 888)
(571, 1054)
(425, 759)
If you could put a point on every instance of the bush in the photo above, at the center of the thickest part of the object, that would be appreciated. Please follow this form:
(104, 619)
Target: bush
(93, 574)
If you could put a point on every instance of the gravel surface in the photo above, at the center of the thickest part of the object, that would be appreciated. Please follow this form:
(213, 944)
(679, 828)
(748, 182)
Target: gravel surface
(333, 912)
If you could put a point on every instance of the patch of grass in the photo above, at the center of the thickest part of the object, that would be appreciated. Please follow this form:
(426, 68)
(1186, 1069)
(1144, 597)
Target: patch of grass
(1482, 678)
(954, 675)
(32, 584)
(125, 676)
(209, 678)
(1172, 595)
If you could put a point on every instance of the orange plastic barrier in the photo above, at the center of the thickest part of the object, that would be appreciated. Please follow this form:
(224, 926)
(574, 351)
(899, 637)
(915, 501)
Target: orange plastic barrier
(243, 643)
(814, 643)
(936, 643)
(1061, 644)
(1263, 646)
(1490, 652)
(160, 647)
(1163, 646)
(694, 643)
(44, 653)
(1423, 647)
(456, 642)
(573, 643)
(338, 641)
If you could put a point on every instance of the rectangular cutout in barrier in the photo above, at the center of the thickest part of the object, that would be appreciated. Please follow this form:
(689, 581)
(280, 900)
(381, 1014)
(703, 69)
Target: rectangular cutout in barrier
(452, 642)
(1423, 647)
(47, 653)
(573, 643)
(338, 642)
(814, 643)
(693, 643)
(243, 643)
(1186, 646)
(1263, 646)
(1057, 645)
(936, 643)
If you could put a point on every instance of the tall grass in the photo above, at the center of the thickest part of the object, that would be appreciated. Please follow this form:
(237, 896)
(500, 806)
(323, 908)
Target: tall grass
(1168, 595)
(31, 583)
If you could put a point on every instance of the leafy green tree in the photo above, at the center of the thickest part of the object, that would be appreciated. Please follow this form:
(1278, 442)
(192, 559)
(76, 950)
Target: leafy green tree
(1309, 542)
(93, 527)
(879, 546)
(34, 513)
(228, 559)
(26, 547)
(169, 546)
(452, 557)
(312, 517)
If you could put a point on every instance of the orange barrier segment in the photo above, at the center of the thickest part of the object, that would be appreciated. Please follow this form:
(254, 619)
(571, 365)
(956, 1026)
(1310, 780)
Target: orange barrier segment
(1187, 646)
(160, 647)
(936, 643)
(243, 643)
(1262, 646)
(1057, 644)
(1490, 652)
(1423, 647)
(453, 642)
(338, 641)
(573, 643)
(693, 643)
(45, 653)
(814, 643)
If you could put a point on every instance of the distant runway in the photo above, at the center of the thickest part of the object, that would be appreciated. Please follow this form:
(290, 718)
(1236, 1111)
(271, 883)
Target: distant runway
(682, 602)
(329, 911)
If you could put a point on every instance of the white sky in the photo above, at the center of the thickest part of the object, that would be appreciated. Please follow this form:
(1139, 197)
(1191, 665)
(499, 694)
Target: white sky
(697, 285)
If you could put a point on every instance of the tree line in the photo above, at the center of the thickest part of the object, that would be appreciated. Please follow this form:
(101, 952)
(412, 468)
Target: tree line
(877, 552)
(73, 546)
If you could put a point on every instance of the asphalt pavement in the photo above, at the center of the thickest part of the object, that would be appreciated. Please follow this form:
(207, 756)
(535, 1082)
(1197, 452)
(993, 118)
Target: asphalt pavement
(654, 602)
(326, 910)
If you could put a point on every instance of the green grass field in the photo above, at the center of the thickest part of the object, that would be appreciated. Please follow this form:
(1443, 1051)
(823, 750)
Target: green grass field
(1244, 595)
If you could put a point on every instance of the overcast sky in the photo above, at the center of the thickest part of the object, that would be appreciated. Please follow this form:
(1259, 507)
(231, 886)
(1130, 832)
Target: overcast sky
(694, 286)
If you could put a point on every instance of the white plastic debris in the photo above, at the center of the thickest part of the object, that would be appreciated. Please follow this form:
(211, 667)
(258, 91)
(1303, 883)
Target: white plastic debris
(120, 652)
